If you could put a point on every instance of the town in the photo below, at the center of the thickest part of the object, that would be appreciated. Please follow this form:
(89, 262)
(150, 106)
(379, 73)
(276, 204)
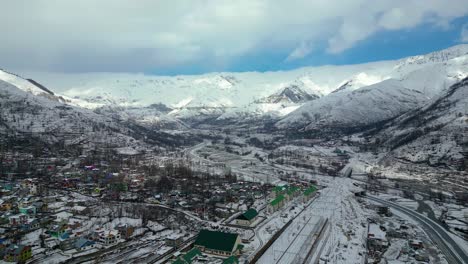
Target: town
(191, 207)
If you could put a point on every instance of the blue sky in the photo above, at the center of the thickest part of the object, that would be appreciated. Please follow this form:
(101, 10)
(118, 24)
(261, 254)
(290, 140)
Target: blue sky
(169, 37)
(385, 45)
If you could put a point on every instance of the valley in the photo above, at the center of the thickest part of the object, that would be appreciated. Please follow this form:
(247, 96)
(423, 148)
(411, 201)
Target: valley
(129, 168)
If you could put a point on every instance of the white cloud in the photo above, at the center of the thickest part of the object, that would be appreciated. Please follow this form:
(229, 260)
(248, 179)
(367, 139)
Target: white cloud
(464, 34)
(128, 35)
(300, 51)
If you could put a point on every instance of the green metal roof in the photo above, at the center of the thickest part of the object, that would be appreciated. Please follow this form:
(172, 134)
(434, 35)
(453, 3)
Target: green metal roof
(179, 261)
(277, 200)
(231, 260)
(310, 190)
(292, 190)
(189, 256)
(216, 240)
(248, 215)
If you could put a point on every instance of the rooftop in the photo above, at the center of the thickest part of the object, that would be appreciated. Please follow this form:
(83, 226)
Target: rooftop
(248, 215)
(216, 240)
(277, 200)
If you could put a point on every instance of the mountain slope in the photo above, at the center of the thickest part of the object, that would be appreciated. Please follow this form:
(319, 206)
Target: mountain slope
(233, 89)
(434, 134)
(353, 109)
(28, 114)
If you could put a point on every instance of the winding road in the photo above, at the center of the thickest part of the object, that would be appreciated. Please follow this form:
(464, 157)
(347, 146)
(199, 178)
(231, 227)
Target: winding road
(452, 251)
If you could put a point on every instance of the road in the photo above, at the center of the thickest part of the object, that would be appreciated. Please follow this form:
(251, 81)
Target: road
(452, 251)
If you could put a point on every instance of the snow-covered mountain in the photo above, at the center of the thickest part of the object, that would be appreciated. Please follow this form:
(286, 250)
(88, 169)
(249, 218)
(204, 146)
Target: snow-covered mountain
(413, 82)
(272, 93)
(433, 134)
(303, 91)
(355, 108)
(32, 113)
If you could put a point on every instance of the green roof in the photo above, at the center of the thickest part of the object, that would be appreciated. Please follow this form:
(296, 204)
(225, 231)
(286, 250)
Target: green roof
(179, 261)
(292, 190)
(216, 240)
(231, 260)
(279, 189)
(277, 200)
(248, 215)
(310, 190)
(189, 256)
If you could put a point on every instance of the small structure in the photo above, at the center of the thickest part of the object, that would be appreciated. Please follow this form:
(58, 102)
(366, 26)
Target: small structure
(218, 243)
(247, 218)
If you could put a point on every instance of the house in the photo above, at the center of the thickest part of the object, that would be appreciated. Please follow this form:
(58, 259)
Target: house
(125, 231)
(247, 218)
(106, 237)
(174, 240)
(277, 203)
(84, 244)
(6, 206)
(67, 241)
(218, 243)
(416, 244)
(57, 230)
(17, 253)
(32, 223)
(376, 238)
(28, 210)
(189, 257)
(17, 220)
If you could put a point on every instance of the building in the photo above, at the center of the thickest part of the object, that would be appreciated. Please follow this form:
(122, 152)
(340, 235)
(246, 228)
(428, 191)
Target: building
(247, 218)
(277, 190)
(18, 253)
(231, 260)
(84, 244)
(376, 238)
(309, 193)
(106, 237)
(277, 203)
(174, 240)
(292, 192)
(17, 220)
(28, 210)
(126, 231)
(218, 243)
(189, 257)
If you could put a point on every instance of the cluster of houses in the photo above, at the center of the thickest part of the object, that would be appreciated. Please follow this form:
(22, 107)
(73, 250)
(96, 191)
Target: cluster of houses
(382, 234)
(57, 223)
(283, 194)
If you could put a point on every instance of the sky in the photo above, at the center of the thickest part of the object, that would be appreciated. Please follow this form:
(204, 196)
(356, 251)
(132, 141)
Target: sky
(170, 37)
